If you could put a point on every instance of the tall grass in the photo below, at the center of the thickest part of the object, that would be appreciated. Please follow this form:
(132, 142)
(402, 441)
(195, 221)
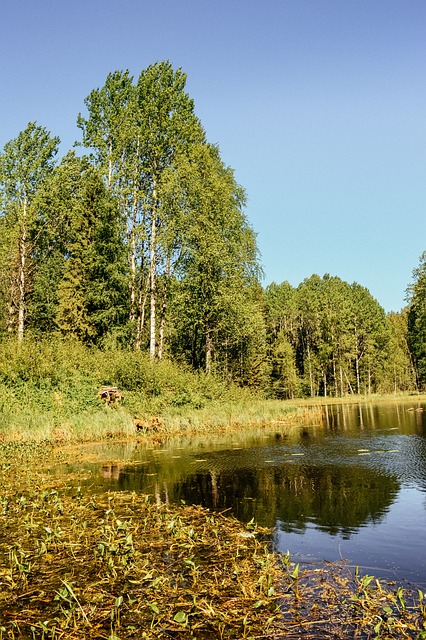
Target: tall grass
(49, 389)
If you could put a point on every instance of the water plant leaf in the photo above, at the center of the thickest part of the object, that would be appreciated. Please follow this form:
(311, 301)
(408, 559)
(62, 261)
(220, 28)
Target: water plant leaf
(295, 572)
(251, 525)
(366, 580)
(154, 608)
(180, 617)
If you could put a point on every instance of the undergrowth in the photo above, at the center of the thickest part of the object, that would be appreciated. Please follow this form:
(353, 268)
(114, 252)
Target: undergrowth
(49, 389)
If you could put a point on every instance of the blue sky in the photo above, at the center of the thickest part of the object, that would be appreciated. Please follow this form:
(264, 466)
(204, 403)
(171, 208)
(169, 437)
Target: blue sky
(318, 105)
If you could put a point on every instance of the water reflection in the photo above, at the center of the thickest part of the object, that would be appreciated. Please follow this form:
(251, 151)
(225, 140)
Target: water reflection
(407, 417)
(338, 500)
(354, 484)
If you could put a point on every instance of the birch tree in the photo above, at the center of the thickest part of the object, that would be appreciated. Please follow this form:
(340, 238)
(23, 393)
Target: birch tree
(216, 309)
(138, 132)
(24, 164)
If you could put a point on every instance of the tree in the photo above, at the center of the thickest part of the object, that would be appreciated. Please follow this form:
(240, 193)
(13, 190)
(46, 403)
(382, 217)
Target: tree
(217, 308)
(24, 165)
(370, 337)
(139, 132)
(333, 336)
(285, 382)
(92, 291)
(417, 319)
(399, 366)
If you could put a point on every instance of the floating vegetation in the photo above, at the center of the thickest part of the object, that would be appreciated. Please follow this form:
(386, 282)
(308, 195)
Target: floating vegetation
(116, 565)
(122, 565)
(331, 601)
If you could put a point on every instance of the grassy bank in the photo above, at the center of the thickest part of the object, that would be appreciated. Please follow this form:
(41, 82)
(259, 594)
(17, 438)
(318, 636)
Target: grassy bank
(49, 390)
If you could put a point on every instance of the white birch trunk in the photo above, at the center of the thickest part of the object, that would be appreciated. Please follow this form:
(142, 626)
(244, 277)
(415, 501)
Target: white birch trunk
(133, 266)
(22, 273)
(132, 242)
(153, 275)
(163, 311)
(143, 297)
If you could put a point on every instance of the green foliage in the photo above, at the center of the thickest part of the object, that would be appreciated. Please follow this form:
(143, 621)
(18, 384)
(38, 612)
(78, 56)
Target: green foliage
(91, 293)
(330, 338)
(417, 320)
(216, 309)
(24, 165)
(51, 387)
(144, 244)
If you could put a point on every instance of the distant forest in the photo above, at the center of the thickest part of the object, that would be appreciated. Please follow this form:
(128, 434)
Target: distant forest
(140, 242)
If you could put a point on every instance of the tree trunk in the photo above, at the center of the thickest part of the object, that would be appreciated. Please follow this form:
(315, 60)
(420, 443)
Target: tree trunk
(22, 273)
(349, 384)
(110, 164)
(153, 274)
(143, 296)
(358, 386)
(163, 310)
(311, 376)
(209, 349)
(336, 384)
(132, 242)
(132, 284)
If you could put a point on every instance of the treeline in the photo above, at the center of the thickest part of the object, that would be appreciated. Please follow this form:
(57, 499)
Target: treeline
(140, 242)
(327, 337)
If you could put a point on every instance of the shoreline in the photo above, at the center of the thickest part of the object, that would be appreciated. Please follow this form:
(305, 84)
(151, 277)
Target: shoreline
(78, 565)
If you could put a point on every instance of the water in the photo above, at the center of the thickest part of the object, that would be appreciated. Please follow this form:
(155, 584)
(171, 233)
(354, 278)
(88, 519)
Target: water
(351, 487)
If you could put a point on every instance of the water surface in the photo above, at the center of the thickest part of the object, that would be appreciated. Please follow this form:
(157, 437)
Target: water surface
(350, 487)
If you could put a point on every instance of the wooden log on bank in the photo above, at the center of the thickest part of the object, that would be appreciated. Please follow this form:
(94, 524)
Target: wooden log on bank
(110, 394)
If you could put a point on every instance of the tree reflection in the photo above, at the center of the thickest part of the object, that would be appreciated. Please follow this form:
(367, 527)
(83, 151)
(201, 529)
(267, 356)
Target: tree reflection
(337, 500)
(328, 486)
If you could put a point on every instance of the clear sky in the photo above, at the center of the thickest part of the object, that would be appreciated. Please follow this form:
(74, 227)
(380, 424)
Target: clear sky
(318, 105)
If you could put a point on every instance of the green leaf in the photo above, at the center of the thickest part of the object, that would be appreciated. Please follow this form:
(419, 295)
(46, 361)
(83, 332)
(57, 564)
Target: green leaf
(295, 573)
(180, 617)
(154, 608)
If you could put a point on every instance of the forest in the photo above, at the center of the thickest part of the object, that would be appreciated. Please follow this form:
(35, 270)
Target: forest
(137, 240)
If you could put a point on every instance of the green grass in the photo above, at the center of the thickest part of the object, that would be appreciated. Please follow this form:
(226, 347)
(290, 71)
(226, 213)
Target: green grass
(49, 390)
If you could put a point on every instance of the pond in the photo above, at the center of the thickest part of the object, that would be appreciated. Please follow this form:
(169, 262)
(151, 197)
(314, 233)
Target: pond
(350, 488)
